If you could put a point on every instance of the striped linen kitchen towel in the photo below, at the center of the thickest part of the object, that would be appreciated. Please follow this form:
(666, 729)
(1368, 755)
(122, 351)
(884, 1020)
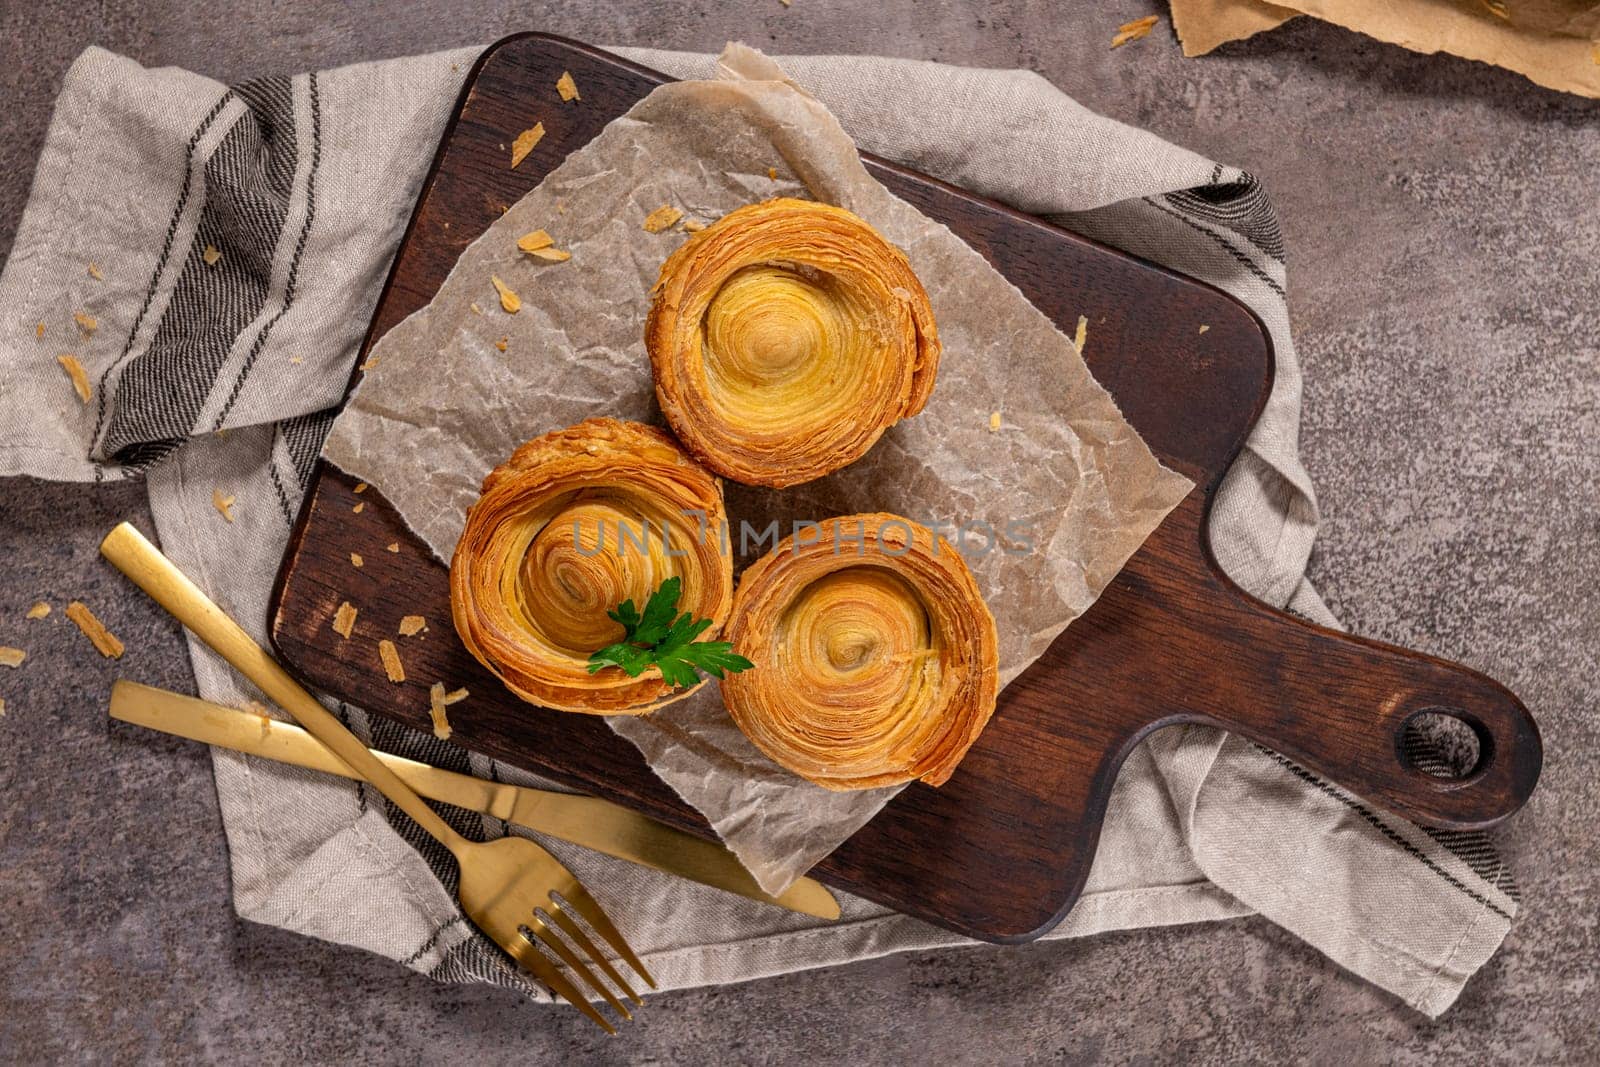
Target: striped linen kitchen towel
(241, 235)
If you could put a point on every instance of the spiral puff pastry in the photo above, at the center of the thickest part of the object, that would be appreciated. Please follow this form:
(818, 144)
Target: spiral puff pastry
(786, 338)
(875, 655)
(574, 523)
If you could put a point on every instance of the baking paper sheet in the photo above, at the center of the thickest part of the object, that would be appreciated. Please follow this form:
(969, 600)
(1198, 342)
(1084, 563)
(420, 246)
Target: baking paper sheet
(1065, 484)
(1554, 43)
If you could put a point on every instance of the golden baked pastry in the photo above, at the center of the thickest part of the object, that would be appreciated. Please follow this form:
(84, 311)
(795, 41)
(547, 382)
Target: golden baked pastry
(786, 338)
(564, 531)
(875, 655)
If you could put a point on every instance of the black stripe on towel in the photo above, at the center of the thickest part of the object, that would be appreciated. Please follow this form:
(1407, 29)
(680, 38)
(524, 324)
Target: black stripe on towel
(285, 505)
(1241, 258)
(390, 736)
(290, 286)
(163, 390)
(1377, 823)
(184, 192)
(1241, 206)
(477, 959)
(1443, 755)
(303, 436)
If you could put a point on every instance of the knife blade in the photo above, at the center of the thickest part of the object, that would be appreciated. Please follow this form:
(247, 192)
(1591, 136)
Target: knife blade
(587, 821)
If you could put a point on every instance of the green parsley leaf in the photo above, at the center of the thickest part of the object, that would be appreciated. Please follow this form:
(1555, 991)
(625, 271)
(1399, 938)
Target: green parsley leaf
(630, 658)
(651, 627)
(661, 638)
(627, 615)
(716, 658)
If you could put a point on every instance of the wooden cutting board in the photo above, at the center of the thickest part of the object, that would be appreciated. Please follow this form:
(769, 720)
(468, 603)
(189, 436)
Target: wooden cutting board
(1002, 850)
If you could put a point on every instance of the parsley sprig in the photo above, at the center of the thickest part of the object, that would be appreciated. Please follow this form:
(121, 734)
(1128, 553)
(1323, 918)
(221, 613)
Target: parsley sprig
(663, 639)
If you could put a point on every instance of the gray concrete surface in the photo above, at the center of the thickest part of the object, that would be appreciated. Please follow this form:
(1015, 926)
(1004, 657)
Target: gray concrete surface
(1444, 234)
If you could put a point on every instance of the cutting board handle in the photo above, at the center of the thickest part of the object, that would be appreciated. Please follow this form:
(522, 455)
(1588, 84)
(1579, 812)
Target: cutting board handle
(1340, 706)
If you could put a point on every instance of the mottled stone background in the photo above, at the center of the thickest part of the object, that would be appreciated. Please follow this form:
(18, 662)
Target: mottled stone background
(1444, 241)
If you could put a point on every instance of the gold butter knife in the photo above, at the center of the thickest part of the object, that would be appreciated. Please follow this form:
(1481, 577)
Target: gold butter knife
(588, 821)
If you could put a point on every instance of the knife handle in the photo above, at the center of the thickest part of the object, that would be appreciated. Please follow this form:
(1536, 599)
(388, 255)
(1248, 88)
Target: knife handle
(592, 823)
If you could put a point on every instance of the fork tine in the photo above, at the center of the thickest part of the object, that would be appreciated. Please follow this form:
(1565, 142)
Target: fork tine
(575, 932)
(553, 941)
(585, 905)
(529, 956)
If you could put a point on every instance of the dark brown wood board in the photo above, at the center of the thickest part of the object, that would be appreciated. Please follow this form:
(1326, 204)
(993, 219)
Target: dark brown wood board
(1001, 851)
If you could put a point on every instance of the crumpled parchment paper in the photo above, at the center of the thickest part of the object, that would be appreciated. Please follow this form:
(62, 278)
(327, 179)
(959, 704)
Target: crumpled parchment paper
(1062, 493)
(1554, 43)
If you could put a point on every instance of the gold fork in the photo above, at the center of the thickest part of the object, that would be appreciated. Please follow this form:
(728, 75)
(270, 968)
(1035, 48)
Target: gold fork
(515, 891)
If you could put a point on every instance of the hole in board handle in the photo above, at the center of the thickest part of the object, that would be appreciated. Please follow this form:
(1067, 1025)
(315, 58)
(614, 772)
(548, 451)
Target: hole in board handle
(1443, 743)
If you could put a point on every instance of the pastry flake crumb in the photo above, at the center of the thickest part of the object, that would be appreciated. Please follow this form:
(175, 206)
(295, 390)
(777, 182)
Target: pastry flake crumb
(11, 657)
(441, 722)
(394, 546)
(532, 242)
(772, 173)
(38, 331)
(551, 255)
(39, 610)
(360, 506)
(567, 87)
(1081, 338)
(94, 272)
(525, 142)
(476, 310)
(356, 560)
(86, 322)
(75, 371)
(693, 225)
(223, 504)
(102, 639)
(361, 487)
(211, 255)
(412, 625)
(1497, 9)
(662, 218)
(502, 343)
(297, 360)
(994, 421)
(391, 661)
(344, 619)
(508, 299)
(438, 700)
(1204, 328)
(1133, 31)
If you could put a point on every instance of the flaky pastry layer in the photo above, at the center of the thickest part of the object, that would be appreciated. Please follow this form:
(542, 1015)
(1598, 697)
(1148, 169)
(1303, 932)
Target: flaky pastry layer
(875, 655)
(786, 338)
(574, 523)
